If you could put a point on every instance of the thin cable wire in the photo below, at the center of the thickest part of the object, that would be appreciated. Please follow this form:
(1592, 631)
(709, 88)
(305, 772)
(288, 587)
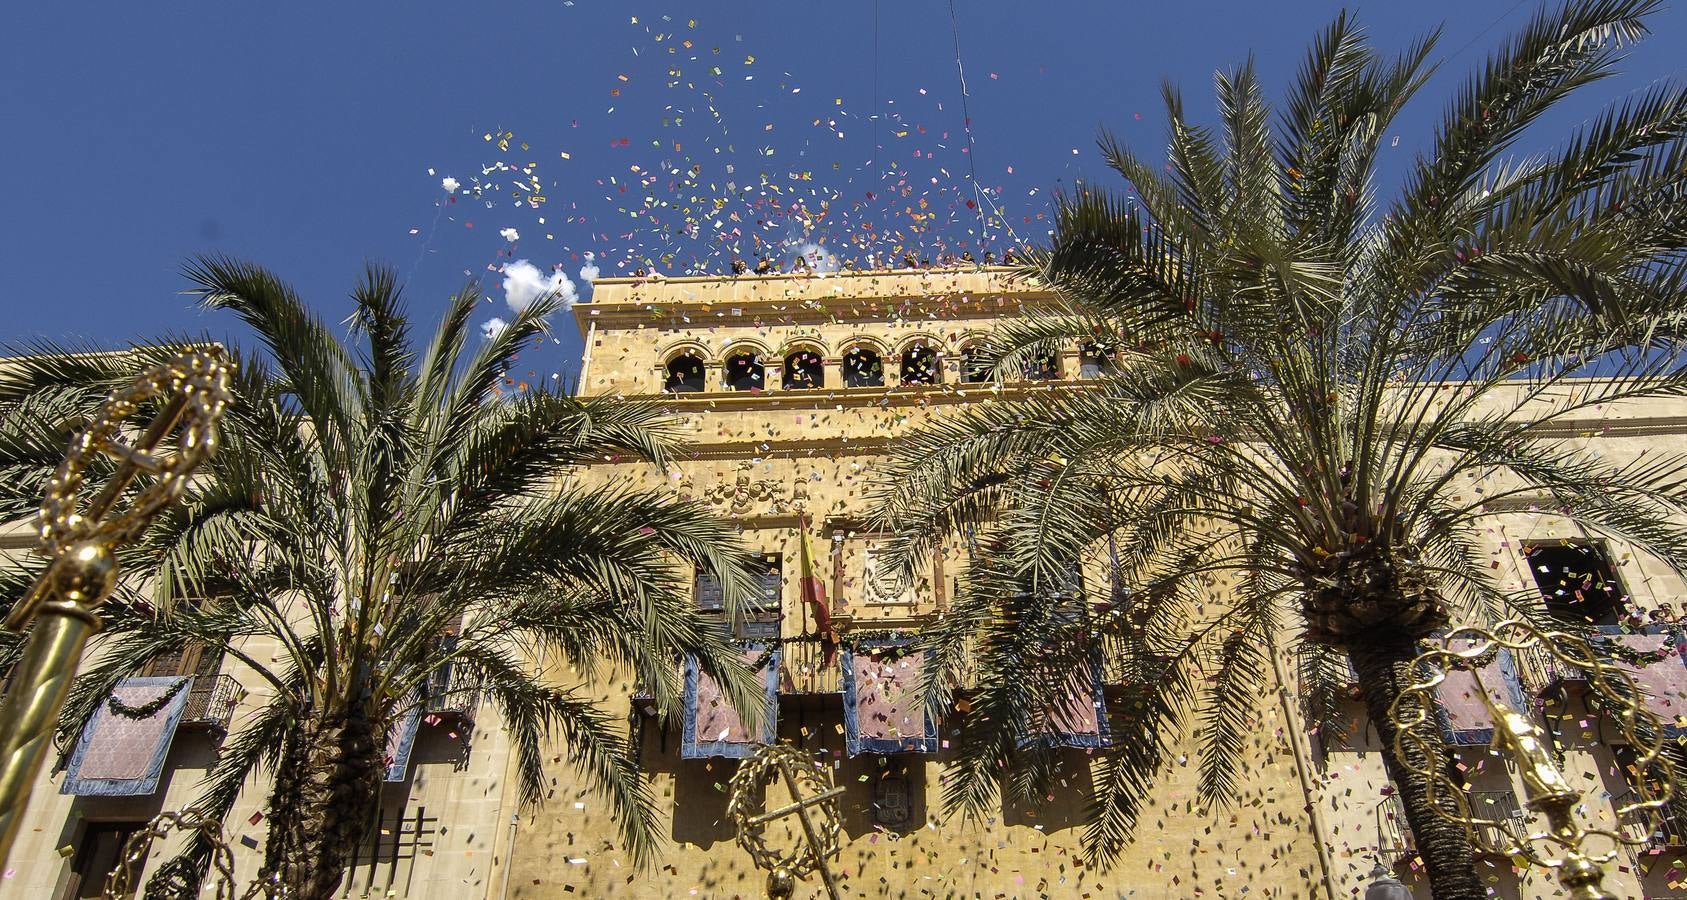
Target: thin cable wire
(1480, 34)
(874, 116)
(966, 125)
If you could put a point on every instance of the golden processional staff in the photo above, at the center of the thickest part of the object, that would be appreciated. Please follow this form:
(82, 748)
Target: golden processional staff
(1560, 844)
(82, 544)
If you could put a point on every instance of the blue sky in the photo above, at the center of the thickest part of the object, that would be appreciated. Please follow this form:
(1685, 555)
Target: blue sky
(310, 137)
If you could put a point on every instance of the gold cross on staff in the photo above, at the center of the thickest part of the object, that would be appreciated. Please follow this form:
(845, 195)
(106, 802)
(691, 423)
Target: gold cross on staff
(821, 838)
(83, 542)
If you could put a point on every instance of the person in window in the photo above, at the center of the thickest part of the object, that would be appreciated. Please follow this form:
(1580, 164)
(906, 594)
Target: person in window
(966, 257)
(764, 266)
(739, 267)
(799, 265)
(909, 262)
(989, 257)
(1007, 257)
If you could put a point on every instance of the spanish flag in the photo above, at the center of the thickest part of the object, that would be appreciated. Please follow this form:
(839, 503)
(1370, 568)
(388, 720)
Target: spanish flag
(814, 596)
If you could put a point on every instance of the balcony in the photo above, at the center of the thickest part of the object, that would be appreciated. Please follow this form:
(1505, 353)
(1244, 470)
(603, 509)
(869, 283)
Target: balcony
(1657, 830)
(803, 668)
(1394, 835)
(211, 700)
(1315, 664)
(1542, 673)
(453, 696)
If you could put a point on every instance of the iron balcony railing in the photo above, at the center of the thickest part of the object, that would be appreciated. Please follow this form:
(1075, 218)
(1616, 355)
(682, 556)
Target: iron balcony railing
(211, 700)
(1657, 828)
(456, 696)
(1314, 663)
(1540, 671)
(1394, 835)
(804, 669)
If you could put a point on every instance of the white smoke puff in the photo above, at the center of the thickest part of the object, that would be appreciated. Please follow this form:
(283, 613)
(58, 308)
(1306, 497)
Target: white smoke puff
(509, 234)
(493, 327)
(589, 271)
(450, 184)
(524, 284)
(819, 259)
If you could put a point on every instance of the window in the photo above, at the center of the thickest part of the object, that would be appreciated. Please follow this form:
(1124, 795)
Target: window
(863, 368)
(920, 365)
(973, 368)
(1043, 367)
(804, 370)
(1094, 360)
(685, 375)
(744, 372)
(1577, 581)
(191, 659)
(760, 623)
(97, 853)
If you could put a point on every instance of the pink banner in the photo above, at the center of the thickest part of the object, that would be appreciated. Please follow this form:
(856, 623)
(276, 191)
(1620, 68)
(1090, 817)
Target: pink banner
(120, 748)
(1460, 698)
(1664, 683)
(716, 720)
(888, 701)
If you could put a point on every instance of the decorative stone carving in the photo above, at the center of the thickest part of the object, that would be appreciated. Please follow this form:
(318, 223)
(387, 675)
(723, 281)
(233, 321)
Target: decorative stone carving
(744, 492)
(884, 583)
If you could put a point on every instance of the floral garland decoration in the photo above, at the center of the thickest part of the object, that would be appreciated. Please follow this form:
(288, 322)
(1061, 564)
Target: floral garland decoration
(147, 710)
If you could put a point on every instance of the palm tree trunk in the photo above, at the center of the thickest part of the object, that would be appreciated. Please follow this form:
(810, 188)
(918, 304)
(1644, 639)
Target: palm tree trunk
(1384, 671)
(328, 779)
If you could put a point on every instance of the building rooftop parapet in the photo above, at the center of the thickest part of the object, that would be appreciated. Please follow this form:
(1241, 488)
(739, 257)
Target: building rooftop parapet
(635, 299)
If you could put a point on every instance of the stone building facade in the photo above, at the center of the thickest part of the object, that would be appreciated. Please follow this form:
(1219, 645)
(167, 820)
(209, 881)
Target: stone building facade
(790, 389)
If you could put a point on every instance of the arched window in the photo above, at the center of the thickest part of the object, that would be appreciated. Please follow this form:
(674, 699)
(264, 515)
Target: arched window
(863, 368)
(1095, 360)
(804, 370)
(685, 375)
(744, 372)
(973, 369)
(1044, 366)
(920, 365)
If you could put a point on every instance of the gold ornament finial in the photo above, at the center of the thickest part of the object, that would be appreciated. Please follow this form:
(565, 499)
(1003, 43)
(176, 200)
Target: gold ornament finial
(81, 541)
(817, 813)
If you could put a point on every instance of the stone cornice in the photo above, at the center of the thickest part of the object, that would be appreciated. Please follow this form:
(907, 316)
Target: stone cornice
(882, 444)
(805, 299)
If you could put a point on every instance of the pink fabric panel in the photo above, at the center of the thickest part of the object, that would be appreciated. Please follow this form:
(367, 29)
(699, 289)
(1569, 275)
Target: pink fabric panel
(1459, 697)
(716, 719)
(887, 697)
(1076, 712)
(121, 748)
(1663, 682)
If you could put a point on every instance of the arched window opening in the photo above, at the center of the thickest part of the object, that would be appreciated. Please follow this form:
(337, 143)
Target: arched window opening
(1044, 366)
(863, 368)
(973, 368)
(685, 375)
(1095, 360)
(804, 370)
(744, 372)
(920, 365)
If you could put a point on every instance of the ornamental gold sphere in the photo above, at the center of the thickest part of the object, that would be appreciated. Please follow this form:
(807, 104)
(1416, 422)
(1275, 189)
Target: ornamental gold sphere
(85, 573)
(781, 883)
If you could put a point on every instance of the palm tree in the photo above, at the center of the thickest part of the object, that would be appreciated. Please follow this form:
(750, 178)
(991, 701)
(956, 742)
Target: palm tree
(1309, 390)
(366, 502)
